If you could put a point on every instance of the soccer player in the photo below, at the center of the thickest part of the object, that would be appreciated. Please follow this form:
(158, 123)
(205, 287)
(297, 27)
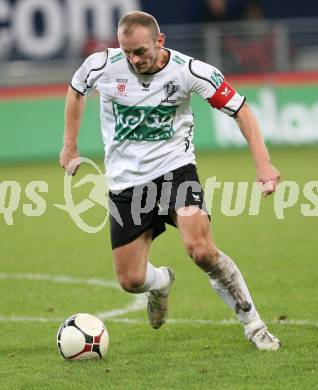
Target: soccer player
(147, 128)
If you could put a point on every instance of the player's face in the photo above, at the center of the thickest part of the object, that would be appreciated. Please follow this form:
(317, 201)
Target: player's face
(141, 49)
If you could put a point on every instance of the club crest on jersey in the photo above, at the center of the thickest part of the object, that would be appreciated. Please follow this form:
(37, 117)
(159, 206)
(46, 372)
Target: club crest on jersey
(170, 89)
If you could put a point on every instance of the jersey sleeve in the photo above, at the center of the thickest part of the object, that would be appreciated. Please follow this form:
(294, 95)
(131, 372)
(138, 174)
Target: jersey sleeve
(87, 76)
(208, 82)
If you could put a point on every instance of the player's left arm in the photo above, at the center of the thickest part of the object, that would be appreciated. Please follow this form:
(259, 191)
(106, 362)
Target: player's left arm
(209, 83)
(266, 173)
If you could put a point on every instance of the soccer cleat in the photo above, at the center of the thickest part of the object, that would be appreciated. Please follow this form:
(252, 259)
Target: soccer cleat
(265, 341)
(158, 303)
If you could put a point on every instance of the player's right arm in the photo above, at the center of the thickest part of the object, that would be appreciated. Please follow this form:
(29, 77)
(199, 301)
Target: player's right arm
(74, 108)
(84, 80)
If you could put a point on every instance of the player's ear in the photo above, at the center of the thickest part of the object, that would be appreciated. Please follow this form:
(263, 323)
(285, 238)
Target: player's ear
(161, 40)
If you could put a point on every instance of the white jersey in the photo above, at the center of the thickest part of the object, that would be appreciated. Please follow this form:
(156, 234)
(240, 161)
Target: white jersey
(146, 120)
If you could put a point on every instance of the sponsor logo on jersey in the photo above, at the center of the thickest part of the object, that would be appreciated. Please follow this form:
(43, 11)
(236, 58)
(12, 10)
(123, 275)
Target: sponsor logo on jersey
(116, 58)
(122, 81)
(120, 89)
(145, 86)
(170, 89)
(178, 60)
(143, 123)
(216, 78)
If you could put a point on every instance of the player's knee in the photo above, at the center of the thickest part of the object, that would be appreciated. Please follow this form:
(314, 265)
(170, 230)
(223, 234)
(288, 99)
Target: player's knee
(132, 283)
(203, 254)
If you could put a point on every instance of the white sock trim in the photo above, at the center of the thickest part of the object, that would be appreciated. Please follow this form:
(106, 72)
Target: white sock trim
(156, 278)
(229, 284)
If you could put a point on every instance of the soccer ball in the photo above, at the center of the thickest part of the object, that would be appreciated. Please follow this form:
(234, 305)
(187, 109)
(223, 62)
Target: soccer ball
(82, 336)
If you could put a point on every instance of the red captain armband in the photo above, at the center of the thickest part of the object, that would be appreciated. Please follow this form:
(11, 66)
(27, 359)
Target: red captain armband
(222, 95)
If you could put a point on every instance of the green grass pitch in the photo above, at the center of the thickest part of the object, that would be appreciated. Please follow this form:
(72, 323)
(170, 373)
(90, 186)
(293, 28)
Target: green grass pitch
(277, 257)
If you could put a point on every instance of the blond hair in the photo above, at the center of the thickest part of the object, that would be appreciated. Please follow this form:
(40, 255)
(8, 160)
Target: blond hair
(138, 18)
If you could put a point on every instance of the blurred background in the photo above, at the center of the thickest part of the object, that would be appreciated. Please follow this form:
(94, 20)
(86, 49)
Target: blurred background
(267, 49)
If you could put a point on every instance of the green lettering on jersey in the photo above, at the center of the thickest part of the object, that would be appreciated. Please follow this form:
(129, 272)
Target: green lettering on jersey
(216, 78)
(115, 58)
(178, 60)
(143, 123)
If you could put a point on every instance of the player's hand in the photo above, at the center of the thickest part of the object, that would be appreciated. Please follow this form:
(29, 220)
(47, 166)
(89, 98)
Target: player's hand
(69, 159)
(268, 177)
